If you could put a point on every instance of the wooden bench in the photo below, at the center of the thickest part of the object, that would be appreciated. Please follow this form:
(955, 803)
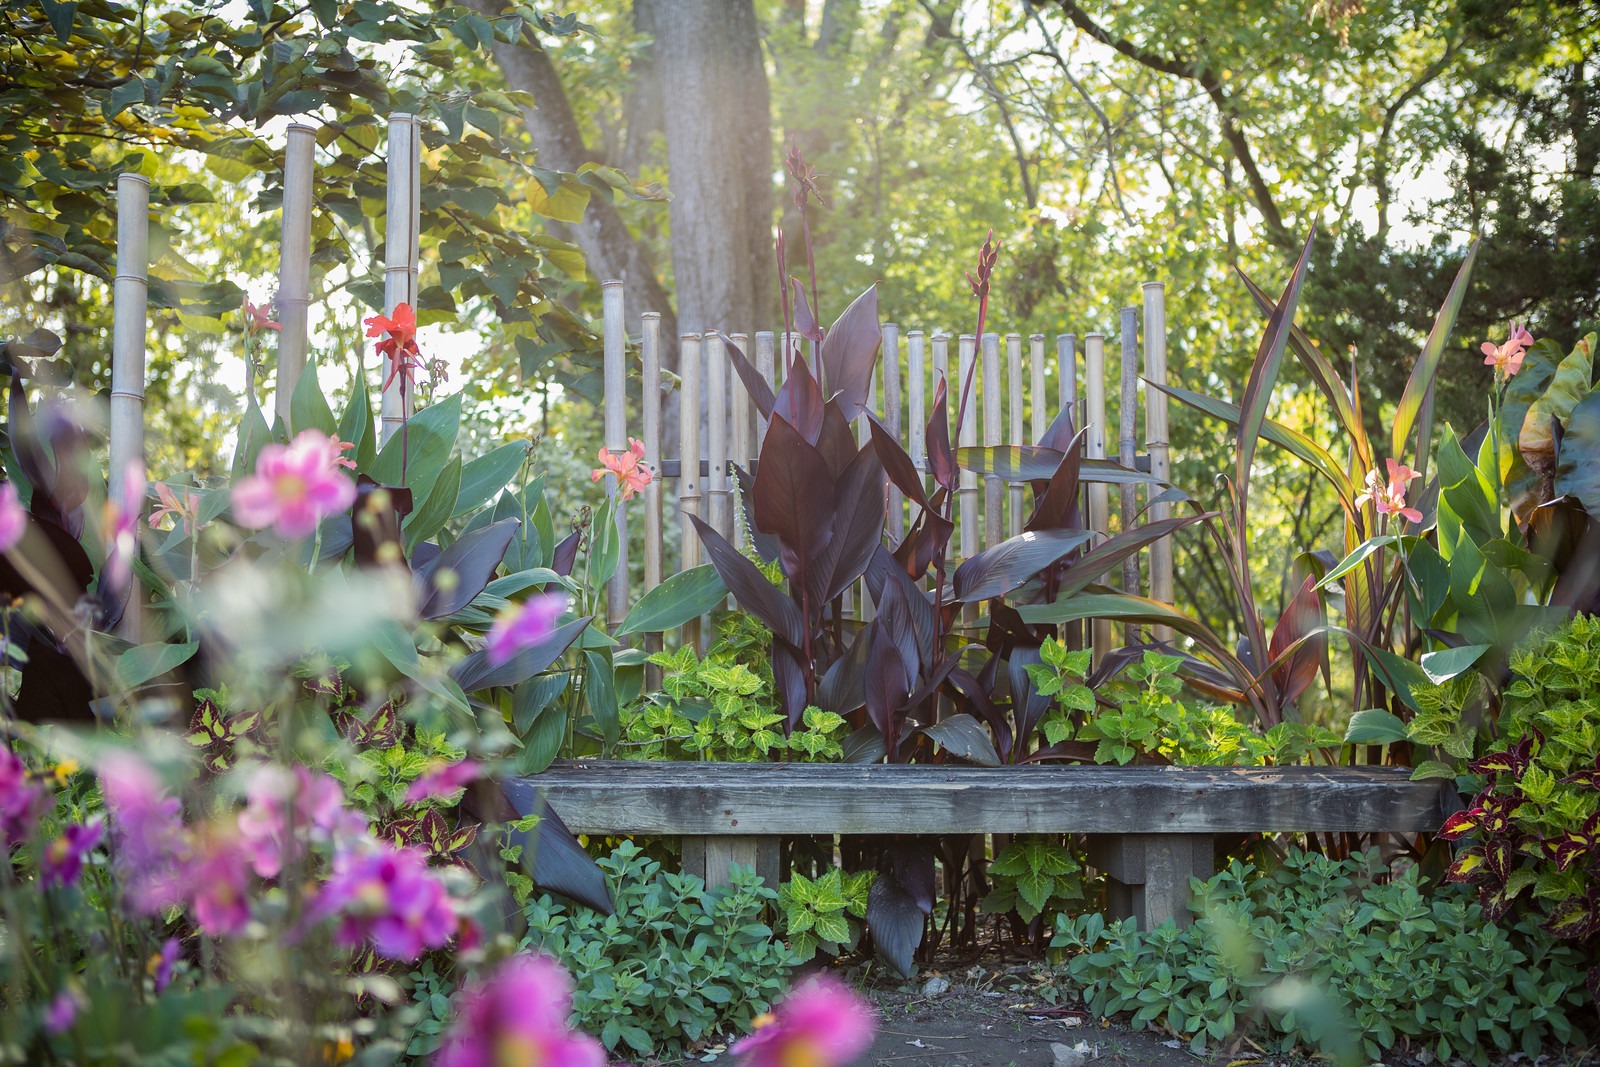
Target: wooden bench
(1151, 827)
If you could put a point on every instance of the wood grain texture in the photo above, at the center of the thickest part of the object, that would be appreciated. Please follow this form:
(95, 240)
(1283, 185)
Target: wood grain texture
(598, 796)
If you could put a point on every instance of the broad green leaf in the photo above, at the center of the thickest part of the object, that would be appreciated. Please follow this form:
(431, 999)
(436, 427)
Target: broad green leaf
(1374, 726)
(1570, 385)
(308, 408)
(142, 663)
(427, 520)
(487, 475)
(1409, 413)
(1445, 664)
(355, 426)
(600, 693)
(1578, 465)
(1363, 552)
(686, 595)
(566, 203)
(427, 441)
(253, 434)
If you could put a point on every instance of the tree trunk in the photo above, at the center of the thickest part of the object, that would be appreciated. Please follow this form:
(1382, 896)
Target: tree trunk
(719, 160)
(609, 248)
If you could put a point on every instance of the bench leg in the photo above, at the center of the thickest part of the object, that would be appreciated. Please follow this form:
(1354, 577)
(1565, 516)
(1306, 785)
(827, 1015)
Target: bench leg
(711, 857)
(1148, 874)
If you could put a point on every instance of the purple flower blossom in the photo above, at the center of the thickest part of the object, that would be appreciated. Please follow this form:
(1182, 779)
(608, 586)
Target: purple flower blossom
(294, 487)
(13, 520)
(389, 896)
(220, 882)
(152, 851)
(162, 964)
(523, 626)
(318, 814)
(518, 1014)
(62, 1012)
(441, 780)
(822, 1023)
(61, 863)
(22, 799)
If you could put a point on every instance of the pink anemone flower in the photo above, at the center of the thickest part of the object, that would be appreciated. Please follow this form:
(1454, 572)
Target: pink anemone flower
(518, 1015)
(524, 625)
(822, 1023)
(294, 487)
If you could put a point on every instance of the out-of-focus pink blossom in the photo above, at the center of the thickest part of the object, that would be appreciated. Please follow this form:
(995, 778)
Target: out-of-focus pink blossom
(294, 487)
(518, 1015)
(633, 474)
(13, 519)
(220, 884)
(317, 814)
(258, 317)
(161, 964)
(1507, 358)
(122, 527)
(61, 862)
(62, 1011)
(821, 1023)
(175, 508)
(22, 799)
(389, 897)
(441, 780)
(150, 848)
(524, 625)
(1388, 494)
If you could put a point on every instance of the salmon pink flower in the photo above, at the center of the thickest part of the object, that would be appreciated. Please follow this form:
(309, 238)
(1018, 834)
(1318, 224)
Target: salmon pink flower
(1507, 358)
(441, 780)
(61, 862)
(257, 317)
(174, 507)
(399, 344)
(294, 487)
(632, 473)
(518, 1015)
(1388, 495)
(13, 519)
(822, 1023)
(389, 897)
(524, 625)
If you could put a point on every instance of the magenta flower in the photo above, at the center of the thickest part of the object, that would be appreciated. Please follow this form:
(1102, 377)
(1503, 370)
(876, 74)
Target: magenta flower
(61, 863)
(13, 519)
(294, 487)
(22, 799)
(317, 813)
(62, 1011)
(524, 625)
(441, 780)
(220, 883)
(151, 850)
(518, 1015)
(389, 896)
(822, 1023)
(163, 963)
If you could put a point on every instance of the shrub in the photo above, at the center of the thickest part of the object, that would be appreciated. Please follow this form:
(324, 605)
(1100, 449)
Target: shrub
(1317, 953)
(675, 965)
(824, 914)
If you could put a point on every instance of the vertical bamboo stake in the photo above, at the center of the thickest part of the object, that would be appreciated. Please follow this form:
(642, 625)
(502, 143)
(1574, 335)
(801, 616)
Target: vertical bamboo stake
(1015, 400)
(967, 487)
(766, 365)
(1067, 371)
(1038, 406)
(689, 462)
(1094, 381)
(1155, 435)
(1128, 451)
(402, 220)
(715, 362)
(917, 399)
(130, 303)
(650, 415)
(294, 269)
(941, 372)
(739, 443)
(615, 341)
(891, 420)
(994, 496)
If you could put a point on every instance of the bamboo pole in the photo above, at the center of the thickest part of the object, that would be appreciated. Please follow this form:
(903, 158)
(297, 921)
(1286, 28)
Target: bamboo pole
(766, 366)
(714, 361)
(615, 342)
(294, 264)
(993, 493)
(689, 462)
(1156, 443)
(1067, 375)
(917, 398)
(739, 444)
(1016, 399)
(650, 415)
(1038, 406)
(130, 305)
(891, 420)
(1128, 451)
(1094, 382)
(402, 221)
(966, 437)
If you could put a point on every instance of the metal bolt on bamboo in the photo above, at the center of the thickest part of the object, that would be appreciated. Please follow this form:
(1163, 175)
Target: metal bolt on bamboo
(1015, 402)
(1156, 444)
(294, 266)
(402, 222)
(1094, 384)
(615, 344)
(993, 491)
(1128, 450)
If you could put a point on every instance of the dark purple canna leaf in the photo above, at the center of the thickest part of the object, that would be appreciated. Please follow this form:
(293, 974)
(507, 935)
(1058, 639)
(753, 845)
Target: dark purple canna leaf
(766, 545)
(555, 860)
(998, 570)
(375, 520)
(805, 322)
(754, 384)
(888, 683)
(750, 587)
(799, 402)
(1027, 463)
(842, 689)
(928, 539)
(975, 693)
(965, 738)
(941, 457)
(885, 571)
(857, 528)
(1264, 373)
(1083, 572)
(836, 441)
(566, 553)
(789, 677)
(849, 352)
(1299, 621)
(894, 921)
(1027, 704)
(1061, 435)
(1058, 507)
(476, 672)
(793, 498)
(897, 463)
(470, 563)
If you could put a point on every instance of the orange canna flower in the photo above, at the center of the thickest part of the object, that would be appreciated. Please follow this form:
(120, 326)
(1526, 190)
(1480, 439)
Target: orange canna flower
(633, 474)
(1507, 358)
(399, 344)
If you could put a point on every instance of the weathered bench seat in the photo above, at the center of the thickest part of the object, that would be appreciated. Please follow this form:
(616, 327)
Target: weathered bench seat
(1152, 827)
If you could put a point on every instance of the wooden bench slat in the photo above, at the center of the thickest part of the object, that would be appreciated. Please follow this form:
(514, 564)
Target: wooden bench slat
(623, 796)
